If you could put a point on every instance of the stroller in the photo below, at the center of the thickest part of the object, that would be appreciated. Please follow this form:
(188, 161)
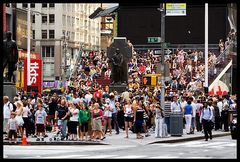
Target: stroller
(57, 131)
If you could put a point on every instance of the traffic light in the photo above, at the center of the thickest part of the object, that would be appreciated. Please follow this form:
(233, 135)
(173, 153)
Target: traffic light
(147, 80)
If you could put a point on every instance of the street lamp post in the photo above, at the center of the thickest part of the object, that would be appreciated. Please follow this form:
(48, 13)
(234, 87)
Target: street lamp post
(65, 37)
(162, 54)
(28, 47)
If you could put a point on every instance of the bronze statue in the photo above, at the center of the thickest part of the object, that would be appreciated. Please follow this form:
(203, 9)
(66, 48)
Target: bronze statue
(117, 69)
(10, 55)
(119, 54)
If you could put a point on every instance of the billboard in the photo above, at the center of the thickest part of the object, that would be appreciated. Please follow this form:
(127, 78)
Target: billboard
(22, 54)
(21, 29)
(35, 76)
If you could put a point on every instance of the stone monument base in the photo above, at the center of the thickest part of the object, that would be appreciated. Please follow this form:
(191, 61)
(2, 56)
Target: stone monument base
(9, 89)
(119, 88)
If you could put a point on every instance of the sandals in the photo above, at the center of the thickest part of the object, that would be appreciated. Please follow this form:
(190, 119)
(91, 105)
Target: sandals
(141, 137)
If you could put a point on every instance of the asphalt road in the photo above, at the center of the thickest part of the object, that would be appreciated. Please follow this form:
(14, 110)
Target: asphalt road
(218, 148)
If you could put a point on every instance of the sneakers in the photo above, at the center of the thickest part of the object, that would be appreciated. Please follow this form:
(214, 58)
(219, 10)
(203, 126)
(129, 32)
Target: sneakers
(42, 139)
(38, 139)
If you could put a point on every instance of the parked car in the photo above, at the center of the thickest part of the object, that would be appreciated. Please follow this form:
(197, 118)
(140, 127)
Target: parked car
(233, 127)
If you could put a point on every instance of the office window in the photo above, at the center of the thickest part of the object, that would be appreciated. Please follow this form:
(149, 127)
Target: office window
(51, 5)
(51, 18)
(33, 18)
(44, 34)
(48, 69)
(47, 51)
(24, 5)
(64, 20)
(44, 19)
(32, 5)
(33, 34)
(44, 5)
(51, 34)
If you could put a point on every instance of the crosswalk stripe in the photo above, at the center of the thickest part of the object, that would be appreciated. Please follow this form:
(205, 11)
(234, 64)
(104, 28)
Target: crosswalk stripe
(98, 156)
(164, 157)
(61, 157)
(129, 157)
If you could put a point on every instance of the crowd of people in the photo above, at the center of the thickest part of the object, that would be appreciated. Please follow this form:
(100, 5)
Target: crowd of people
(88, 111)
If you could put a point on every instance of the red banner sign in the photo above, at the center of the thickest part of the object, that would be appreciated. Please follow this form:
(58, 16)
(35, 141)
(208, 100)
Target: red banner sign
(23, 55)
(4, 18)
(35, 76)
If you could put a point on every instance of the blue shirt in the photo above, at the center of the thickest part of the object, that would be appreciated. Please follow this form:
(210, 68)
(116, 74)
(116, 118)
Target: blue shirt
(206, 114)
(188, 109)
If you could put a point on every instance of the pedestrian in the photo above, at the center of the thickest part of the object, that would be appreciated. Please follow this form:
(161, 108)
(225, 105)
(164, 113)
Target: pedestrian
(7, 110)
(52, 108)
(188, 116)
(107, 117)
(160, 129)
(112, 104)
(61, 116)
(138, 119)
(128, 116)
(199, 107)
(40, 120)
(167, 111)
(97, 116)
(205, 119)
(73, 121)
(217, 116)
(26, 113)
(19, 118)
(12, 127)
(84, 116)
(194, 108)
(224, 117)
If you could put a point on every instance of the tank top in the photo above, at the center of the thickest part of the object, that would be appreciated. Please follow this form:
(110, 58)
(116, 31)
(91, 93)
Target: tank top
(129, 111)
(139, 114)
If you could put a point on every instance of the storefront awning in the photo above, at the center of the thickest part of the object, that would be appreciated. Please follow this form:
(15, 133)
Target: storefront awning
(99, 12)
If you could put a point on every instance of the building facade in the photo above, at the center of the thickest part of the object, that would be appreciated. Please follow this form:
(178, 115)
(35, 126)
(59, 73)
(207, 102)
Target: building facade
(56, 20)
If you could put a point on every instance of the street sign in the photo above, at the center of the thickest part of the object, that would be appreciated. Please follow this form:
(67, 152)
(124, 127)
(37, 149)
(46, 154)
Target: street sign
(175, 9)
(154, 39)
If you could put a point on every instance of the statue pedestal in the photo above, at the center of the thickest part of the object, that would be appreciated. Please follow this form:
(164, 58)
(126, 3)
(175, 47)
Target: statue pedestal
(119, 88)
(9, 89)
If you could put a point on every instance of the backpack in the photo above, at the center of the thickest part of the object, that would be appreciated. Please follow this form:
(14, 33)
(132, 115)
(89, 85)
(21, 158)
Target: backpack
(14, 106)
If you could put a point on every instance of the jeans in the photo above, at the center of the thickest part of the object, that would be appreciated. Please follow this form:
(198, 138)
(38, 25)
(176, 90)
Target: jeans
(193, 124)
(115, 122)
(167, 121)
(63, 127)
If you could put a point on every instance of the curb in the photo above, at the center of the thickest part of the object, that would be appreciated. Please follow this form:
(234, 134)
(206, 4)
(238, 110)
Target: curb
(189, 139)
(58, 143)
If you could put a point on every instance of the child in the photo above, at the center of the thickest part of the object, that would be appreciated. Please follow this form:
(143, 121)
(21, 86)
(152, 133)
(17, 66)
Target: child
(40, 120)
(12, 127)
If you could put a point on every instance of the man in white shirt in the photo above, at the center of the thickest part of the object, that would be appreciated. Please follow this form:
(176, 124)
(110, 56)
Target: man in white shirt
(175, 105)
(88, 97)
(194, 108)
(7, 110)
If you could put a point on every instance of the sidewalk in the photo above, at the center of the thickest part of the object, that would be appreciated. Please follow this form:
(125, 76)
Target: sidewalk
(121, 140)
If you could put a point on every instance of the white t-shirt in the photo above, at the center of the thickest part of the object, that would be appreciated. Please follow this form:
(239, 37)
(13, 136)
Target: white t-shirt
(194, 108)
(175, 107)
(220, 106)
(7, 110)
(40, 115)
(12, 124)
(74, 117)
(25, 112)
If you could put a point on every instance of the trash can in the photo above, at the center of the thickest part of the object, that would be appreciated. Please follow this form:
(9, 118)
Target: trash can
(176, 124)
